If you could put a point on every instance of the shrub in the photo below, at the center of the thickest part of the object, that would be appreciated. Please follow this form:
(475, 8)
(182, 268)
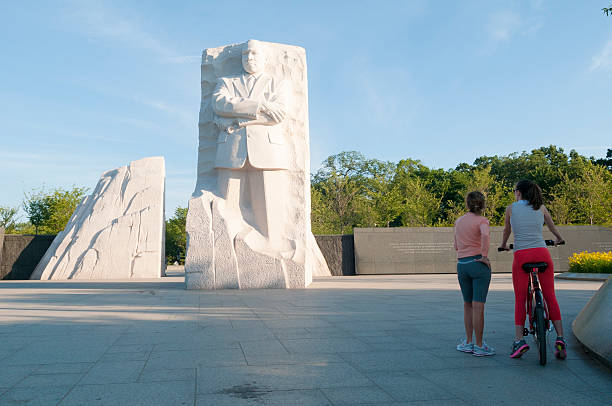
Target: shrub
(591, 262)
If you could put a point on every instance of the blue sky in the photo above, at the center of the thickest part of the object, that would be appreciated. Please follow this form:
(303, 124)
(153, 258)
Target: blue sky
(89, 86)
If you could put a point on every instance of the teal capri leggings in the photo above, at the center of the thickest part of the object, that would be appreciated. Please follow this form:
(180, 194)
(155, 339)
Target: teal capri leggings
(474, 278)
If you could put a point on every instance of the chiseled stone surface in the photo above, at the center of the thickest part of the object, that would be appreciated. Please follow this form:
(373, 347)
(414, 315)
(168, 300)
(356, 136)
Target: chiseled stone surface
(248, 223)
(593, 326)
(117, 232)
(343, 341)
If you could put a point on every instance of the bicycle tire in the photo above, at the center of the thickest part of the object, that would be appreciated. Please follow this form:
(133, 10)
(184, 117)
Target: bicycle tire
(541, 333)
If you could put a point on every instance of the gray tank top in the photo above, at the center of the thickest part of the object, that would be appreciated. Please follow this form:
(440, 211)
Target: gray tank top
(527, 226)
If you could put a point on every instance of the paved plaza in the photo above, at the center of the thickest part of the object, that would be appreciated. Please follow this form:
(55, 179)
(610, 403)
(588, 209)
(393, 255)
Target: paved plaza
(377, 340)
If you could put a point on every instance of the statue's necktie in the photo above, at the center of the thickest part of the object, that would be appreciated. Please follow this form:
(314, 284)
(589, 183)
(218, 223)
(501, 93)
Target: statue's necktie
(250, 82)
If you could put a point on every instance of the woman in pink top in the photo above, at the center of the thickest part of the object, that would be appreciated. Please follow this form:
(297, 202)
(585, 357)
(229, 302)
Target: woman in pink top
(473, 272)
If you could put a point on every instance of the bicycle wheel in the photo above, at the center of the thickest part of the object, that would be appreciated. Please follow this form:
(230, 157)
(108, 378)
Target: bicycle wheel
(541, 334)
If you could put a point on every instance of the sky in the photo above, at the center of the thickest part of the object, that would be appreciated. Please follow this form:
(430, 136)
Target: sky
(88, 86)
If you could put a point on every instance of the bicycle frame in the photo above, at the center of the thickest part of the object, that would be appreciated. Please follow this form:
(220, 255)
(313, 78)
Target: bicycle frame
(534, 299)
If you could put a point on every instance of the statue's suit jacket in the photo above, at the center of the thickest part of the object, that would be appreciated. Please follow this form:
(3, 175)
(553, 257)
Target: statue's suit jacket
(264, 145)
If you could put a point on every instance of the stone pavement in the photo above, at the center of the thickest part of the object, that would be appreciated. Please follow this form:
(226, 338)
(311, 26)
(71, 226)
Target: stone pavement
(383, 340)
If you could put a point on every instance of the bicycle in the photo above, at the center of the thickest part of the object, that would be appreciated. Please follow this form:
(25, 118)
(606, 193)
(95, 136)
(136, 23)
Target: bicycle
(539, 324)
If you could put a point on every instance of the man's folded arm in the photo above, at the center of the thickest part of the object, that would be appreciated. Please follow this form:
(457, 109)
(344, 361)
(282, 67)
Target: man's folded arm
(227, 105)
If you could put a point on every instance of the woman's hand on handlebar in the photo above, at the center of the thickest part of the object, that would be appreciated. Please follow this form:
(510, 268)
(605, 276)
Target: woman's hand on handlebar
(559, 241)
(503, 247)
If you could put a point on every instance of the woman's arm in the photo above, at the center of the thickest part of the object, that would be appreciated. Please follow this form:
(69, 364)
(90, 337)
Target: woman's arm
(551, 225)
(507, 227)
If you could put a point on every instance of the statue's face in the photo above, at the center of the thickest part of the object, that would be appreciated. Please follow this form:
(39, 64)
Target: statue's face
(253, 58)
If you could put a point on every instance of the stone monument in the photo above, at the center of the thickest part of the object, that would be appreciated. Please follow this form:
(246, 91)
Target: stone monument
(248, 224)
(117, 232)
(592, 325)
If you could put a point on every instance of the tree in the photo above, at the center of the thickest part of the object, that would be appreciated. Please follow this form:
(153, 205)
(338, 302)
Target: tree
(562, 202)
(420, 206)
(49, 212)
(606, 162)
(382, 193)
(176, 236)
(340, 183)
(62, 204)
(353, 191)
(607, 10)
(593, 194)
(8, 218)
(36, 207)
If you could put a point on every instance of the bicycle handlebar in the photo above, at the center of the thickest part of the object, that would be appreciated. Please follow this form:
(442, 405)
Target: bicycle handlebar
(548, 242)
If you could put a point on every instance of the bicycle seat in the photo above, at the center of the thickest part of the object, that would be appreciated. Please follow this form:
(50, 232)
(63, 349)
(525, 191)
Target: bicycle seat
(529, 266)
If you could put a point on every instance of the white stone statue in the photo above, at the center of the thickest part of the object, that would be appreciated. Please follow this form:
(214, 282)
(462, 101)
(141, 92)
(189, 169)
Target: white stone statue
(252, 155)
(248, 224)
(117, 232)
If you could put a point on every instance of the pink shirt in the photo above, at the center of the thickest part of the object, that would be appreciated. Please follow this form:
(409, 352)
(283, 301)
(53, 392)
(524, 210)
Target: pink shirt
(471, 235)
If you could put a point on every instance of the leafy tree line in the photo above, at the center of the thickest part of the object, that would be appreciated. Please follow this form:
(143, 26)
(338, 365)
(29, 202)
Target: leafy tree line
(351, 190)
(47, 211)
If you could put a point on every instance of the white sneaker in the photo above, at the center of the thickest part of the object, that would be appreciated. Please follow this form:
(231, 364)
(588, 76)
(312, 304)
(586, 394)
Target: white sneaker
(463, 346)
(484, 350)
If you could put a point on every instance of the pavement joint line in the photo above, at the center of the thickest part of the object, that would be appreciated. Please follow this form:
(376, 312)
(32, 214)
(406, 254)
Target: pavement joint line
(23, 379)
(322, 392)
(89, 370)
(243, 353)
(364, 375)
(195, 387)
(146, 362)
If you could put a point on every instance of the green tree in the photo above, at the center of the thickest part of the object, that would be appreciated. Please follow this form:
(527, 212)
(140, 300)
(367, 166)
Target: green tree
(36, 207)
(420, 206)
(562, 202)
(340, 183)
(606, 162)
(62, 204)
(607, 10)
(49, 212)
(176, 237)
(382, 193)
(8, 218)
(353, 191)
(593, 194)
(323, 219)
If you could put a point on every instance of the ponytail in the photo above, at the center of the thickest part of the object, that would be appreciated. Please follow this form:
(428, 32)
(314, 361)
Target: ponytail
(531, 192)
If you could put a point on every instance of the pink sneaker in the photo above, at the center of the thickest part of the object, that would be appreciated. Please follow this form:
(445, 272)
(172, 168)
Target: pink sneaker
(519, 348)
(560, 348)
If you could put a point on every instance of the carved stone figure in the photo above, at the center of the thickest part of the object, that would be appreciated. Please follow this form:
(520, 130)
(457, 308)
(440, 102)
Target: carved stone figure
(252, 153)
(248, 224)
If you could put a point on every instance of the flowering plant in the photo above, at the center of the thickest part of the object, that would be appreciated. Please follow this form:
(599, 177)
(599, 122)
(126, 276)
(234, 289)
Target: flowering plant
(591, 262)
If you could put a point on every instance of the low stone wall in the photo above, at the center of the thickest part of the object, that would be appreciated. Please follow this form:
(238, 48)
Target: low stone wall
(401, 250)
(21, 254)
(1, 242)
(339, 252)
(416, 250)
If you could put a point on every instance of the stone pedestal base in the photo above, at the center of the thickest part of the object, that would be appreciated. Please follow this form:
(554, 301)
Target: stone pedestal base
(224, 252)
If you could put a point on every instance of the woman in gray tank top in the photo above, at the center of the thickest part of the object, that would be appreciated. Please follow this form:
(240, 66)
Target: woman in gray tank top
(525, 218)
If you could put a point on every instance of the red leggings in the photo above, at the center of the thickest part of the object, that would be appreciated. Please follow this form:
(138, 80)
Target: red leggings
(520, 280)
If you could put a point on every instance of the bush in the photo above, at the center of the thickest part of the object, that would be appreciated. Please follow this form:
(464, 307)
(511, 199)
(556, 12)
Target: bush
(176, 237)
(591, 262)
